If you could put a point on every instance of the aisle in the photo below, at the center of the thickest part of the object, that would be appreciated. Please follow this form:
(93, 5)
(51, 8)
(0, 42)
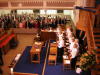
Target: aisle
(25, 65)
(56, 69)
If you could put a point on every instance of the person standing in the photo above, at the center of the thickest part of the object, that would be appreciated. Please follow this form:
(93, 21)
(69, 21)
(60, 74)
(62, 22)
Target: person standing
(60, 50)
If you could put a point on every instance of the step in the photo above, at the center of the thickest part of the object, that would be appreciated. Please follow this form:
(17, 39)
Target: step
(97, 42)
(95, 72)
(97, 66)
(98, 55)
(96, 29)
(98, 45)
(98, 51)
(96, 33)
(96, 37)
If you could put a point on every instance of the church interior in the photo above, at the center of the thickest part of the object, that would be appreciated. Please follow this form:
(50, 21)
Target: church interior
(49, 37)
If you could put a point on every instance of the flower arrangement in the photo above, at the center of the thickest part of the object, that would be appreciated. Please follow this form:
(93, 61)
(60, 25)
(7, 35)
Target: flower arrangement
(87, 60)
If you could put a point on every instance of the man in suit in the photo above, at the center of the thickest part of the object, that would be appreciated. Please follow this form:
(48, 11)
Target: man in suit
(1, 61)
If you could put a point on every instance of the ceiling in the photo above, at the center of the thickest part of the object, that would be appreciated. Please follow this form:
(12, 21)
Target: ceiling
(37, 4)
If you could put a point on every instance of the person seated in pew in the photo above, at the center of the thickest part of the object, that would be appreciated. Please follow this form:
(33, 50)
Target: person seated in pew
(74, 53)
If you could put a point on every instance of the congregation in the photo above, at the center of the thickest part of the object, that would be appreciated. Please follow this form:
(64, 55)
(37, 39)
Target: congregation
(29, 21)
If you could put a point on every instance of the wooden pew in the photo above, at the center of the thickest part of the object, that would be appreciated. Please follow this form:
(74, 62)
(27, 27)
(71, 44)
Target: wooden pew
(5, 41)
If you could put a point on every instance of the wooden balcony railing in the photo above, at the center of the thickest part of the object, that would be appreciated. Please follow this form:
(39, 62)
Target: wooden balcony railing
(89, 31)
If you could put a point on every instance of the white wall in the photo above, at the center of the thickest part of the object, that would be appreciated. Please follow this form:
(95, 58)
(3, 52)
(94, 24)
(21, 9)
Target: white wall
(5, 11)
(69, 12)
(24, 11)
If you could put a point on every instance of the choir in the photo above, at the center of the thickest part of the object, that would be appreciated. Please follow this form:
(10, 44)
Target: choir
(67, 43)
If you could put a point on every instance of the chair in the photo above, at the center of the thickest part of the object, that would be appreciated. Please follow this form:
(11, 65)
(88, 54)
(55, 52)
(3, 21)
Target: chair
(66, 64)
(53, 44)
(53, 51)
(52, 59)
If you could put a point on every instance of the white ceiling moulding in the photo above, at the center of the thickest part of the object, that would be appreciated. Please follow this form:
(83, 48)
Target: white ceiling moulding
(60, 4)
(69, 8)
(27, 4)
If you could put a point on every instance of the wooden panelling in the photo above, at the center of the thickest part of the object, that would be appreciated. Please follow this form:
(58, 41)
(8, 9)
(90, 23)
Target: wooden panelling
(60, 3)
(28, 4)
(33, 3)
(90, 3)
(14, 4)
(3, 4)
(81, 23)
(45, 4)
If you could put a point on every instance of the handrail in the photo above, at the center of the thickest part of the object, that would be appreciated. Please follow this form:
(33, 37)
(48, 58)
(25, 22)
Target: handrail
(91, 27)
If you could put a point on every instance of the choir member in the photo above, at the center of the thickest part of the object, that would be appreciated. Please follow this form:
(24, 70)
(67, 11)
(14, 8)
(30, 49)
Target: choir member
(74, 53)
(60, 49)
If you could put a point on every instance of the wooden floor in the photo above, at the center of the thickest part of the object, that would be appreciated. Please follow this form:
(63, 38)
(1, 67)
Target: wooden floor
(24, 40)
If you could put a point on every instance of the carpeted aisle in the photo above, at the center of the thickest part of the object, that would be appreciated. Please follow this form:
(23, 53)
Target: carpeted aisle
(25, 66)
(57, 70)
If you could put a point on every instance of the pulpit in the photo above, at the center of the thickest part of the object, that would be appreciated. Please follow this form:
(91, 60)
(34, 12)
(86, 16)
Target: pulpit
(47, 35)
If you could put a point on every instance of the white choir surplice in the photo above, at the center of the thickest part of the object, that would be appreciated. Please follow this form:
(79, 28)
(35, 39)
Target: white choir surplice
(74, 52)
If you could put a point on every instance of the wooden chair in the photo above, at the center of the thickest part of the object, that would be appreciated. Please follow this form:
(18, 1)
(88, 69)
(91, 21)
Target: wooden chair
(53, 44)
(66, 64)
(53, 51)
(52, 59)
